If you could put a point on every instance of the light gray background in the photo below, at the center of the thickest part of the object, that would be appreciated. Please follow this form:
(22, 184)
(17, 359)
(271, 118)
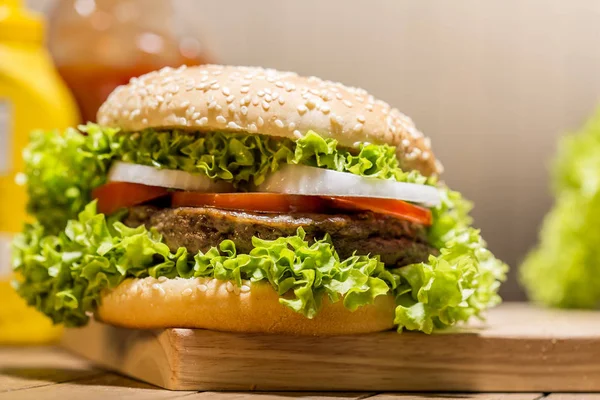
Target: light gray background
(493, 83)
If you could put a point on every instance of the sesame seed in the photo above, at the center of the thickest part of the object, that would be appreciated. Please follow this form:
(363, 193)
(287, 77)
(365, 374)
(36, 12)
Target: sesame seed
(204, 78)
(182, 121)
(202, 288)
(159, 98)
(265, 105)
(260, 93)
(279, 123)
(212, 105)
(186, 292)
(244, 110)
(281, 100)
(291, 126)
(358, 127)
(230, 99)
(134, 114)
(310, 103)
(190, 111)
(290, 87)
(361, 118)
(233, 125)
(215, 86)
(302, 109)
(252, 128)
(279, 84)
(339, 96)
(425, 155)
(226, 91)
(275, 95)
(260, 121)
(196, 115)
(369, 107)
(162, 279)
(244, 89)
(231, 107)
(229, 286)
(144, 120)
(245, 100)
(325, 109)
(245, 289)
(268, 98)
(255, 100)
(202, 121)
(306, 96)
(158, 288)
(298, 134)
(347, 103)
(405, 142)
(221, 119)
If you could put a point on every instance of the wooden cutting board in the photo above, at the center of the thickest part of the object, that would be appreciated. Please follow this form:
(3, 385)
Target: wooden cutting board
(520, 348)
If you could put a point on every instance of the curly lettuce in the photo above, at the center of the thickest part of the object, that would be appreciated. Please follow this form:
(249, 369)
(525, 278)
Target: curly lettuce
(64, 275)
(63, 168)
(563, 270)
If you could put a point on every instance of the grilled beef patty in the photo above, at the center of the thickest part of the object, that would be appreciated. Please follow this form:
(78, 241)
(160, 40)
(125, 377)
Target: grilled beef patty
(398, 242)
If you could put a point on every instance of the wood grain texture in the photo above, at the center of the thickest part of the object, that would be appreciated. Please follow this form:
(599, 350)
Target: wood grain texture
(101, 387)
(520, 348)
(22, 368)
(277, 396)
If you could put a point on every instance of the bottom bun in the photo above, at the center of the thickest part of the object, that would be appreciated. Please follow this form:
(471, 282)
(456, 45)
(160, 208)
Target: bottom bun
(220, 305)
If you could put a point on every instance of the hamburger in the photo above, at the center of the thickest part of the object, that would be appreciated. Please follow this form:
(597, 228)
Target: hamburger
(249, 200)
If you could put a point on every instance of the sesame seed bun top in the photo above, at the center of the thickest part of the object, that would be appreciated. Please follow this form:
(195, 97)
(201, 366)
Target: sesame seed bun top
(267, 102)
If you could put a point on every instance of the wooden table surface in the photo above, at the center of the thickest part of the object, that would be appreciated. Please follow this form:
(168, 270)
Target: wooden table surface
(52, 373)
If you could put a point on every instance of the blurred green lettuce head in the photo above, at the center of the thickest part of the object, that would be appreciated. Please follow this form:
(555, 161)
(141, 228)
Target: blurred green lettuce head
(564, 269)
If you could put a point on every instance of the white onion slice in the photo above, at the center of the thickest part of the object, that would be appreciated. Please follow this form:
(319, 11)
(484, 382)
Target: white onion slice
(169, 178)
(304, 180)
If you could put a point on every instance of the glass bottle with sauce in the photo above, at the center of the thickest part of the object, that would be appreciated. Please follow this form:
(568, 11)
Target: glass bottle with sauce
(32, 96)
(100, 44)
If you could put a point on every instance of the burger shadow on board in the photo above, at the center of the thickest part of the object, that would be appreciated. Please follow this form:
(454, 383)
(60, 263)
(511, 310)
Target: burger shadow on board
(255, 201)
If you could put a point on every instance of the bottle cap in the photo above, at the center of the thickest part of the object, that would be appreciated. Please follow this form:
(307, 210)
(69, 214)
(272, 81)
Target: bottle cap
(18, 24)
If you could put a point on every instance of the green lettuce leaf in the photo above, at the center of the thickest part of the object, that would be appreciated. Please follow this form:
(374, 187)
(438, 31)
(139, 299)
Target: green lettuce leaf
(458, 284)
(563, 270)
(63, 275)
(63, 168)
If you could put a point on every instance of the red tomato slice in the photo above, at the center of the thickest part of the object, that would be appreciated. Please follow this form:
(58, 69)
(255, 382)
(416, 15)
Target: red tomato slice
(397, 208)
(116, 195)
(262, 202)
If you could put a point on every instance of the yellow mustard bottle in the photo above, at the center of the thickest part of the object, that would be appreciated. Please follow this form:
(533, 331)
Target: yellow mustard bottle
(32, 96)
